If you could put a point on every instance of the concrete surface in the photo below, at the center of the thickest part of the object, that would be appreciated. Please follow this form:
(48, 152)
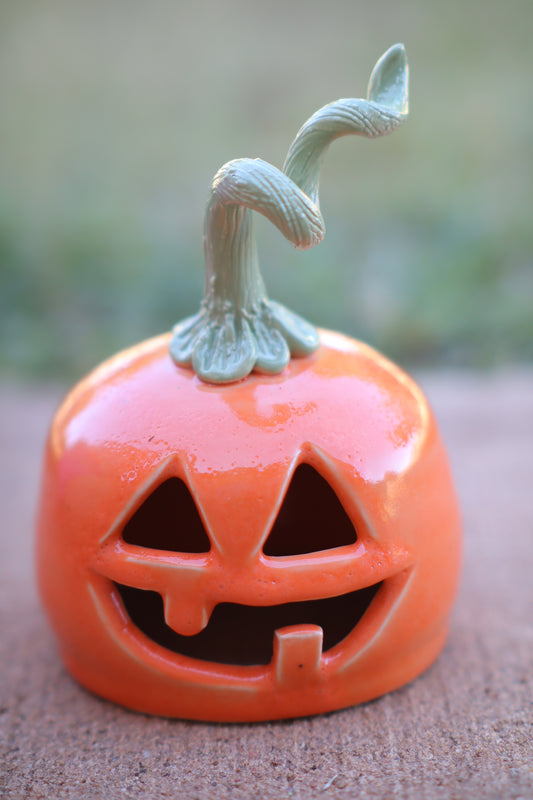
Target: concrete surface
(462, 730)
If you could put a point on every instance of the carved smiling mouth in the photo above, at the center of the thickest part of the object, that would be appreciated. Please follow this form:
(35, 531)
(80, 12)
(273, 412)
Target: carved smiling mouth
(244, 635)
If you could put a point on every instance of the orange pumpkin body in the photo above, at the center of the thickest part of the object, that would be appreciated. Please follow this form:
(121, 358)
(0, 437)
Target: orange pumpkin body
(139, 424)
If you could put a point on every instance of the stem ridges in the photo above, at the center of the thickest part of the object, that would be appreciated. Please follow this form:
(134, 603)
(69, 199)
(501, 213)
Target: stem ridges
(238, 328)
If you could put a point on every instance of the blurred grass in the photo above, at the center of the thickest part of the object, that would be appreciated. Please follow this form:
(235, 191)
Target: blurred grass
(115, 116)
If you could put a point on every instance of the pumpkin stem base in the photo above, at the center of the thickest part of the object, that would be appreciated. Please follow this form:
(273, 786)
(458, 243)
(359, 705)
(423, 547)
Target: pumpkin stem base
(223, 340)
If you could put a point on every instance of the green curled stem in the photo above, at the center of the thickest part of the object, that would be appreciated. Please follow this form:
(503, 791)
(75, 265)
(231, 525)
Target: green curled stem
(238, 328)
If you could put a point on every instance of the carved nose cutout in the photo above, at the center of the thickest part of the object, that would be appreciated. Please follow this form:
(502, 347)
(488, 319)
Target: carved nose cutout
(168, 520)
(311, 518)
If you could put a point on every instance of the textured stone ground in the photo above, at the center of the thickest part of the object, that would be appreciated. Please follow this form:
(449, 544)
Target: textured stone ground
(462, 730)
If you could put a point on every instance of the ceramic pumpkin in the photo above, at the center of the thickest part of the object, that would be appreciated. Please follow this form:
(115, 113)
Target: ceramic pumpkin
(249, 519)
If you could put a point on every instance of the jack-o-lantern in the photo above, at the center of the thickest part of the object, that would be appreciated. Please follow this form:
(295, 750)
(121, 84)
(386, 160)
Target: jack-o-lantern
(229, 534)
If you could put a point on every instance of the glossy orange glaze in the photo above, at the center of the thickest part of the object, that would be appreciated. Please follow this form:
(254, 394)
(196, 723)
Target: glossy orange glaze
(349, 413)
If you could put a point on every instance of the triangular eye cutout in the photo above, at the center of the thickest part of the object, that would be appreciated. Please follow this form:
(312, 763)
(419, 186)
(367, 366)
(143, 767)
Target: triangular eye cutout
(311, 518)
(168, 520)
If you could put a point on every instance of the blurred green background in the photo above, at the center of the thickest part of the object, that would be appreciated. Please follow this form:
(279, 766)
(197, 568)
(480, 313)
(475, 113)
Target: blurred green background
(115, 116)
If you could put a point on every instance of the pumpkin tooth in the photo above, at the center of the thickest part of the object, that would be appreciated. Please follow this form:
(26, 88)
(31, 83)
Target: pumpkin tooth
(297, 653)
(188, 619)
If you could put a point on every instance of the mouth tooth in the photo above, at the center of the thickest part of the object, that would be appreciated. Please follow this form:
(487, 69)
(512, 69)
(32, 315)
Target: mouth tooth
(297, 653)
(188, 619)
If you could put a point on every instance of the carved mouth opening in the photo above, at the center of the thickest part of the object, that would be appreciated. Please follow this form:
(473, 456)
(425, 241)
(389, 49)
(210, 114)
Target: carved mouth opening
(243, 635)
